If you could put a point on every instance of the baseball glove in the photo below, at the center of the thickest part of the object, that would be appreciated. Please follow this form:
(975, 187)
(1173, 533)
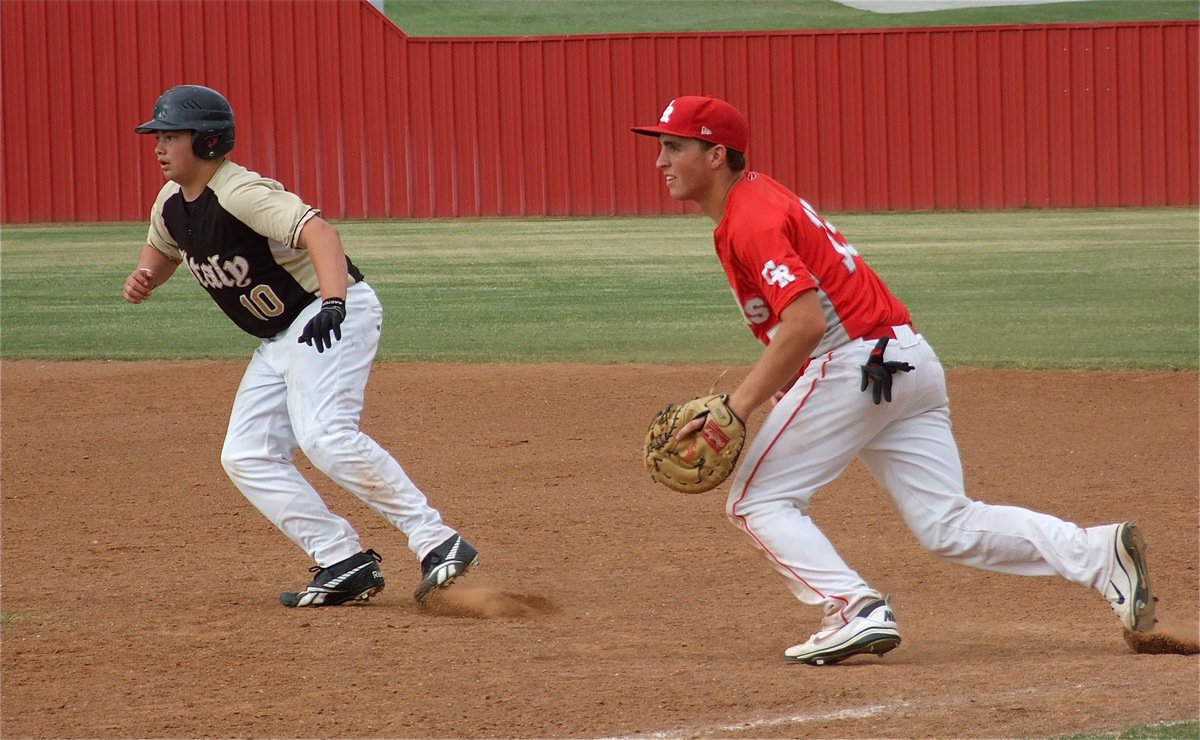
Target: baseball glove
(702, 460)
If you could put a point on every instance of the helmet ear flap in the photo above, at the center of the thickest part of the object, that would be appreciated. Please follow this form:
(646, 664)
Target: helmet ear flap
(204, 144)
(213, 143)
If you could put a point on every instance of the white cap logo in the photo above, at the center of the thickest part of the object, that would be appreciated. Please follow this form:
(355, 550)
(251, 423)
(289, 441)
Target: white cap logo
(706, 131)
(666, 116)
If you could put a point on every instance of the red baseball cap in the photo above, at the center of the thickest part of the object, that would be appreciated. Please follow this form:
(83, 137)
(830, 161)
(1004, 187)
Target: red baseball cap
(706, 119)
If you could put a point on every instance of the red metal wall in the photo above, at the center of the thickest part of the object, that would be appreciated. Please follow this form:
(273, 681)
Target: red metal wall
(362, 121)
(315, 88)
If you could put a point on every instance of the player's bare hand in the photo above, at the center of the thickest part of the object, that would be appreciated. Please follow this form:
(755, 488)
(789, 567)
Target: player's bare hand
(139, 285)
(697, 424)
(692, 426)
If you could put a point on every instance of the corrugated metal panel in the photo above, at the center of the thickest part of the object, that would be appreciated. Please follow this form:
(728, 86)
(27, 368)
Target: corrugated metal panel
(34, 112)
(1014, 134)
(17, 76)
(1192, 44)
(914, 79)
(362, 121)
(1108, 192)
(1175, 118)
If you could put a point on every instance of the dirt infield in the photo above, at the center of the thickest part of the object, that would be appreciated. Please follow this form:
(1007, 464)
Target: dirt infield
(139, 588)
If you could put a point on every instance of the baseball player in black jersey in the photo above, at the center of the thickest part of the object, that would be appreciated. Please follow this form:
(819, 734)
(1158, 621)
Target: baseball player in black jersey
(278, 270)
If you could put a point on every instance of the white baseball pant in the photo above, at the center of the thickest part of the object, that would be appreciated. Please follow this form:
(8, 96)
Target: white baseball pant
(293, 396)
(826, 420)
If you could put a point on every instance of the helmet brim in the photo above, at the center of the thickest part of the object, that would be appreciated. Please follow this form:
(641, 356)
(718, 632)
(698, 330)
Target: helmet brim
(155, 124)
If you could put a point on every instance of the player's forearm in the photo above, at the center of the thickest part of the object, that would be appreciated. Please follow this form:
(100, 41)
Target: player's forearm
(800, 330)
(777, 366)
(153, 269)
(159, 266)
(328, 257)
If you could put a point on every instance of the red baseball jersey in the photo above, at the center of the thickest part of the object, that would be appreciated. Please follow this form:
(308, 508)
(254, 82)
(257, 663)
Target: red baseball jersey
(774, 246)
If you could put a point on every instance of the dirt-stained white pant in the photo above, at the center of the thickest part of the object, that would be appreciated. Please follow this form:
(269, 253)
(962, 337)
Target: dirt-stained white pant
(293, 396)
(826, 420)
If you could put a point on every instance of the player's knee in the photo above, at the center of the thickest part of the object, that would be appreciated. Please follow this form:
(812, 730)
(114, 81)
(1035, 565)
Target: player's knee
(751, 514)
(943, 547)
(737, 510)
(731, 510)
(944, 540)
(237, 463)
(323, 446)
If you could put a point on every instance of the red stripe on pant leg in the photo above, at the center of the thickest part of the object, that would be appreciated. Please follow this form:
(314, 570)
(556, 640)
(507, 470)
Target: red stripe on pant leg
(746, 488)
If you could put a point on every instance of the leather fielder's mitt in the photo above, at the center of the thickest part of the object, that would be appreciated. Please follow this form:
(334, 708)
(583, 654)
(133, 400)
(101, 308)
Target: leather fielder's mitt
(702, 460)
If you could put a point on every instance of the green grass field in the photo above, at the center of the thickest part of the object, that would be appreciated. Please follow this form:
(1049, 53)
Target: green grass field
(1028, 288)
(1167, 731)
(555, 17)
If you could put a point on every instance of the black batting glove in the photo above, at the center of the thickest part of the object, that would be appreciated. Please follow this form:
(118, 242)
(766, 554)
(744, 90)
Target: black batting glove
(327, 321)
(878, 374)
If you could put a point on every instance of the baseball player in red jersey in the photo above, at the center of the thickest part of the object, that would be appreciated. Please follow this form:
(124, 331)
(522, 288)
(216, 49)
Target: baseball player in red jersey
(850, 377)
(280, 273)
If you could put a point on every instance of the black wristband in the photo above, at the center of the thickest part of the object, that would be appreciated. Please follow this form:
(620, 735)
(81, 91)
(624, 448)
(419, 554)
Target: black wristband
(337, 304)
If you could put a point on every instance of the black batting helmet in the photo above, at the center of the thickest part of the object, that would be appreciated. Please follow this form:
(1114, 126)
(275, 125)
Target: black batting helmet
(195, 108)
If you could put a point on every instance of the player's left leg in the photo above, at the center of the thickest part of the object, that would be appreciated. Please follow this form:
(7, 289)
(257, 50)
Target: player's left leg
(916, 460)
(325, 402)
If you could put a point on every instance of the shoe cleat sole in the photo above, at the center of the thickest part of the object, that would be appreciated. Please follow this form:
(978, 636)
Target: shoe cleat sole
(293, 598)
(422, 594)
(366, 595)
(878, 646)
(1143, 611)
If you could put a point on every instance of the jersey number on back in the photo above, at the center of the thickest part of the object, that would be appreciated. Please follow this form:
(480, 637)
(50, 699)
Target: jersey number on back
(839, 243)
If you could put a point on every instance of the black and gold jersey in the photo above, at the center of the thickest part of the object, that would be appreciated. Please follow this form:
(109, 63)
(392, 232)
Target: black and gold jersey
(239, 240)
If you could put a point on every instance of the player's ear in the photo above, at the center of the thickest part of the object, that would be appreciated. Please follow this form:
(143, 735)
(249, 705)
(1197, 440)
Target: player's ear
(717, 155)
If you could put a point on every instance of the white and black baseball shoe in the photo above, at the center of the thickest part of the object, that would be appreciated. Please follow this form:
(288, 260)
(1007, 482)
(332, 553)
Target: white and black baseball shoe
(357, 578)
(872, 630)
(1128, 589)
(444, 563)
